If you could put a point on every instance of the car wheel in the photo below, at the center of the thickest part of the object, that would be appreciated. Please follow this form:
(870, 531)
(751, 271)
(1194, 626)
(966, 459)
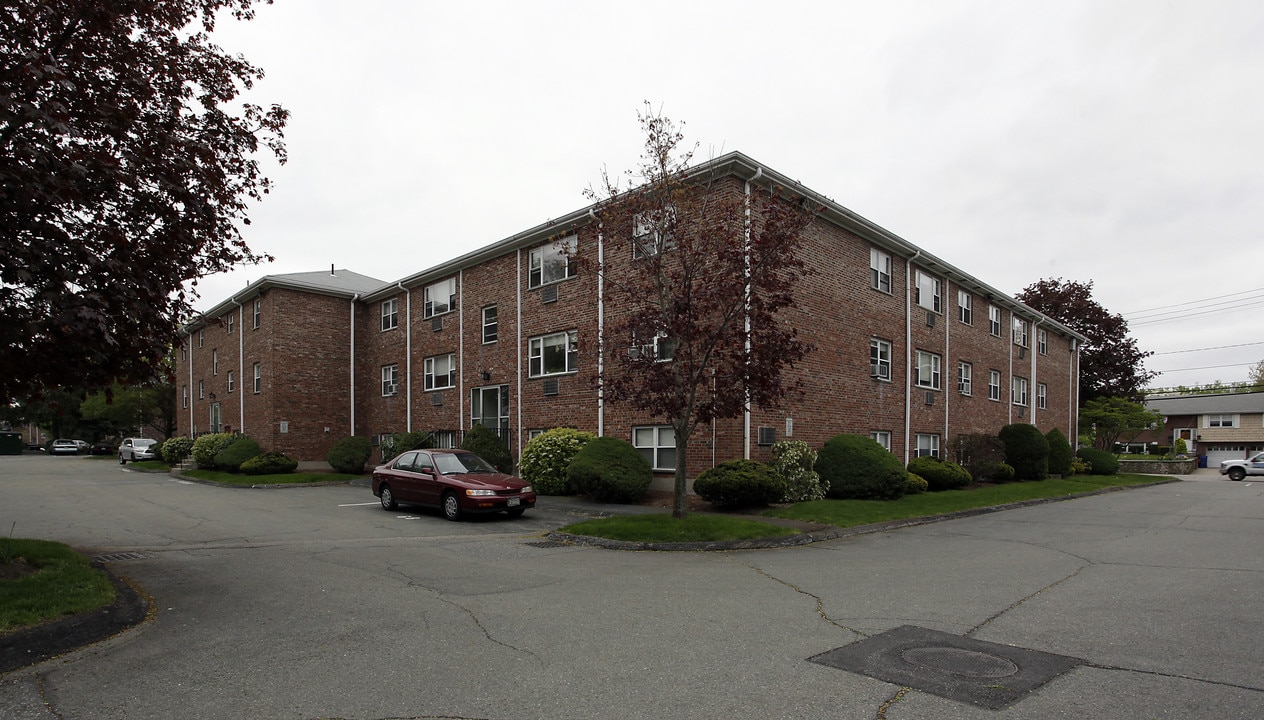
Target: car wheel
(121, 460)
(517, 512)
(1236, 474)
(451, 507)
(388, 498)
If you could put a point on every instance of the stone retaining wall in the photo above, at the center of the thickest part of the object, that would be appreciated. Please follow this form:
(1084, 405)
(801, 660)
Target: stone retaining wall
(1158, 467)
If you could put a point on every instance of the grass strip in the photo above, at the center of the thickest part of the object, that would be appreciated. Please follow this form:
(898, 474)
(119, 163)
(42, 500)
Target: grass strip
(281, 479)
(661, 527)
(42, 581)
(849, 513)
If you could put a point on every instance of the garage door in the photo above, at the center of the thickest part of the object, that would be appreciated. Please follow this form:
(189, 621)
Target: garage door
(1218, 453)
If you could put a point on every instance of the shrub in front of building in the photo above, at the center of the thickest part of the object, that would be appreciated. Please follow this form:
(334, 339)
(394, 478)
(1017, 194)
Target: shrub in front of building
(916, 485)
(349, 454)
(1001, 473)
(1027, 450)
(1099, 462)
(978, 453)
(269, 463)
(239, 451)
(795, 461)
(206, 447)
(740, 484)
(610, 470)
(176, 449)
(393, 444)
(547, 458)
(485, 443)
(1060, 453)
(939, 474)
(857, 467)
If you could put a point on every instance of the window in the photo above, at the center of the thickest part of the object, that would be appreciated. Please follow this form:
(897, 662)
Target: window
(965, 307)
(258, 371)
(184, 396)
(201, 389)
(1020, 332)
(1018, 391)
(228, 323)
(491, 326)
(994, 385)
(965, 375)
(994, 320)
(879, 270)
(657, 445)
(927, 445)
(651, 232)
(184, 351)
(390, 314)
(489, 407)
(230, 381)
(554, 354)
(663, 347)
(390, 380)
(928, 291)
(1042, 340)
(217, 418)
(1042, 396)
(214, 361)
(440, 298)
(1222, 421)
(882, 437)
(551, 263)
(255, 314)
(926, 372)
(880, 359)
(440, 372)
(201, 336)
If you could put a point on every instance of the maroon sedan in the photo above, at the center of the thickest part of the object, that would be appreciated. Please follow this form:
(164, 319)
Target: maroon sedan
(455, 481)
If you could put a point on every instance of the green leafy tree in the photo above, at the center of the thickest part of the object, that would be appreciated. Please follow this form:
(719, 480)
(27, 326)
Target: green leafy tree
(1112, 419)
(127, 165)
(119, 411)
(707, 292)
(1255, 376)
(1111, 364)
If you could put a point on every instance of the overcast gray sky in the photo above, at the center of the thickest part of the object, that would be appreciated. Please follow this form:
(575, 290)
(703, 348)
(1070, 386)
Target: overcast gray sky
(1116, 141)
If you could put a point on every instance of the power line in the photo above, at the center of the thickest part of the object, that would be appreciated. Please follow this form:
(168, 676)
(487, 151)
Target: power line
(1218, 347)
(1207, 367)
(1191, 302)
(1157, 320)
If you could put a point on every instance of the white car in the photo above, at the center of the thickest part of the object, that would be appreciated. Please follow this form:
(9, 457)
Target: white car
(135, 449)
(61, 446)
(1238, 469)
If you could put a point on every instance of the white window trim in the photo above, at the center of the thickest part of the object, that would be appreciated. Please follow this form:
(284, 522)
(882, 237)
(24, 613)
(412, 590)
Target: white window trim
(931, 442)
(1022, 332)
(390, 314)
(184, 393)
(445, 289)
(965, 310)
(928, 292)
(1042, 396)
(880, 270)
(880, 359)
(539, 257)
(1235, 419)
(1042, 340)
(657, 447)
(256, 312)
(922, 358)
(965, 378)
(390, 380)
(994, 385)
(215, 361)
(882, 437)
(228, 323)
(258, 379)
(994, 321)
(230, 381)
(432, 379)
(648, 237)
(535, 356)
(495, 324)
(1019, 390)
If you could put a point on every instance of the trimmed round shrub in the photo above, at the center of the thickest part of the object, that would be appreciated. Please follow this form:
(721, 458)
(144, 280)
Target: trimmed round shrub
(349, 454)
(916, 485)
(269, 463)
(1027, 450)
(1001, 473)
(547, 457)
(1100, 462)
(855, 466)
(939, 474)
(242, 449)
(485, 443)
(177, 449)
(740, 484)
(795, 461)
(206, 447)
(1060, 453)
(610, 470)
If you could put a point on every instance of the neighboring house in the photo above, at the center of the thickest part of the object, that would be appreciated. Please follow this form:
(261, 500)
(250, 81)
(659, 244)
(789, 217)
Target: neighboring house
(1221, 427)
(910, 350)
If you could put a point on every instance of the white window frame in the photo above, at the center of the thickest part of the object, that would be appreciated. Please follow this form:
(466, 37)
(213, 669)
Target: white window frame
(927, 291)
(965, 377)
(184, 393)
(994, 320)
(390, 380)
(433, 377)
(228, 323)
(1042, 341)
(661, 438)
(926, 370)
(965, 307)
(537, 346)
(1223, 420)
(880, 359)
(258, 379)
(230, 381)
(882, 437)
(880, 270)
(664, 349)
(994, 385)
(201, 336)
(1042, 396)
(1018, 391)
(256, 313)
(201, 389)
(546, 260)
(491, 328)
(440, 298)
(926, 444)
(648, 239)
(1022, 332)
(390, 314)
(215, 361)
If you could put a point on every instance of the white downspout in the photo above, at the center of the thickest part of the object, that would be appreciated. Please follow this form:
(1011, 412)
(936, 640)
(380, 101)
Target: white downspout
(460, 353)
(352, 362)
(946, 370)
(1034, 341)
(601, 326)
(408, 356)
(518, 350)
(908, 352)
(192, 403)
(746, 410)
(241, 366)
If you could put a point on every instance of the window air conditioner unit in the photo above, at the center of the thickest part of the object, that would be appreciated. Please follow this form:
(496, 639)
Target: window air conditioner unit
(436, 399)
(391, 389)
(1022, 352)
(550, 387)
(548, 293)
(930, 319)
(875, 370)
(930, 398)
(767, 435)
(436, 324)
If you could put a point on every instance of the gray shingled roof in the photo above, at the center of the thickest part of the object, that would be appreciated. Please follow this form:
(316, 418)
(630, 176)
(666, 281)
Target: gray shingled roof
(1209, 404)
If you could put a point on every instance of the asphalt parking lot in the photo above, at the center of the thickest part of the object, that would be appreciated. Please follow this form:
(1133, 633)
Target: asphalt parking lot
(312, 603)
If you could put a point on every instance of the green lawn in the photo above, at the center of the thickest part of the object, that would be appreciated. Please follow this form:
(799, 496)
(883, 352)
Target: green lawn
(849, 513)
(42, 581)
(661, 527)
(282, 479)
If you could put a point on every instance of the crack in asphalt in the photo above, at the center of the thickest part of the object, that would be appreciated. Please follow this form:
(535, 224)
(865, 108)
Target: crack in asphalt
(882, 709)
(1020, 601)
(820, 604)
(1173, 676)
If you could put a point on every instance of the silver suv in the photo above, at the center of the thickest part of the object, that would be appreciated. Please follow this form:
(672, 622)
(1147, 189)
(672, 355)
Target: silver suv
(135, 449)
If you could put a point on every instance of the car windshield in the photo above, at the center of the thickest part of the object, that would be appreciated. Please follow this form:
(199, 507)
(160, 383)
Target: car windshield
(457, 463)
(143, 442)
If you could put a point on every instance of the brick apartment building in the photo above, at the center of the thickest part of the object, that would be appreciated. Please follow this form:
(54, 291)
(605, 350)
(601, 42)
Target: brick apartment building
(910, 350)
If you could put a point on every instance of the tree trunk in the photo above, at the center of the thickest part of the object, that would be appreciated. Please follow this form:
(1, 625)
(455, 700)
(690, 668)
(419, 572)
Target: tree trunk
(680, 509)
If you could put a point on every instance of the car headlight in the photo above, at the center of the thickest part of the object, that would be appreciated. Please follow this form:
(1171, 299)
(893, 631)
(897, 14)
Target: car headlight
(527, 489)
(480, 493)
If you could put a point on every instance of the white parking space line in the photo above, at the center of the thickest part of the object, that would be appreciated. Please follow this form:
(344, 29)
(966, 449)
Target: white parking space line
(358, 504)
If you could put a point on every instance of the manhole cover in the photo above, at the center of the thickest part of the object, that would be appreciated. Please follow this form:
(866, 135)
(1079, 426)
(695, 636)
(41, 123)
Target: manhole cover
(547, 544)
(960, 662)
(115, 557)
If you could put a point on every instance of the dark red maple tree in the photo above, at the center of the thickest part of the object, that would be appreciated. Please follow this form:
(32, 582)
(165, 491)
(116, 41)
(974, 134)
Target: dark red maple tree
(699, 276)
(127, 165)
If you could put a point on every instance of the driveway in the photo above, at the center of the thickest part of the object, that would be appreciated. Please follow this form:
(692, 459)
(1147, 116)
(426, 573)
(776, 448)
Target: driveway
(314, 603)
